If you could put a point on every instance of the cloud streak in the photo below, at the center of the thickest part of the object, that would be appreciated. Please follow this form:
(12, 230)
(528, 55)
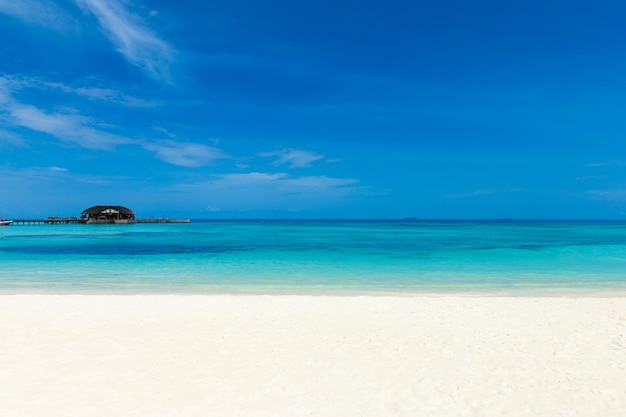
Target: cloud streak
(45, 14)
(293, 158)
(103, 94)
(190, 155)
(93, 92)
(279, 183)
(606, 163)
(268, 191)
(67, 127)
(10, 138)
(135, 41)
(482, 192)
(74, 128)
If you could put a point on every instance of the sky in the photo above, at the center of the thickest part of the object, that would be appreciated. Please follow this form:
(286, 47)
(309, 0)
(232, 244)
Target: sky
(314, 109)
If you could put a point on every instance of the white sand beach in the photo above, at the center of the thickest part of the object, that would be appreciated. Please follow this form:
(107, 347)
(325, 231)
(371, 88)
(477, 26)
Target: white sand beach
(240, 355)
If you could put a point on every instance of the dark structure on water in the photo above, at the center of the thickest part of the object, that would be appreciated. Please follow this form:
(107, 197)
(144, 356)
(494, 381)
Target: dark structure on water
(101, 215)
(108, 214)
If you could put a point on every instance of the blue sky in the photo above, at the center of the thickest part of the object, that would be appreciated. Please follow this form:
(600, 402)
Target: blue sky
(314, 109)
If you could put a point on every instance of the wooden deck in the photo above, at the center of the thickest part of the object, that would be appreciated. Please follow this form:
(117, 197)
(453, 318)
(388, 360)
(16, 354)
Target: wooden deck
(163, 221)
(49, 221)
(84, 221)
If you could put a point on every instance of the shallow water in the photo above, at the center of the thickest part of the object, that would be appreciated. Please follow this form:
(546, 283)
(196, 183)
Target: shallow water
(310, 256)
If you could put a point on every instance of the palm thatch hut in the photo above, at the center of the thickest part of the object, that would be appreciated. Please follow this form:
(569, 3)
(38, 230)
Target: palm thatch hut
(108, 214)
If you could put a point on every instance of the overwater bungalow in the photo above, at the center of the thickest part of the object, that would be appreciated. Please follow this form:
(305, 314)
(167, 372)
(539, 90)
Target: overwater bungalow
(108, 214)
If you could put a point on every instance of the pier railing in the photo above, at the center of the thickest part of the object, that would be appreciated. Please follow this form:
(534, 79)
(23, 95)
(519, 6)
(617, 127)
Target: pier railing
(55, 220)
(74, 220)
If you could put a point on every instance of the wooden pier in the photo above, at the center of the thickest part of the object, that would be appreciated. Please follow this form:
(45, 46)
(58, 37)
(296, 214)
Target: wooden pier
(163, 220)
(100, 215)
(50, 220)
(74, 220)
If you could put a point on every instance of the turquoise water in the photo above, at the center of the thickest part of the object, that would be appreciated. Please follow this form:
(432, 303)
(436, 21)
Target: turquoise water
(310, 256)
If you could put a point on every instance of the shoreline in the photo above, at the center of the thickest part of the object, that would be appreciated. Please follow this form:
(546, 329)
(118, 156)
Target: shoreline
(297, 355)
(529, 291)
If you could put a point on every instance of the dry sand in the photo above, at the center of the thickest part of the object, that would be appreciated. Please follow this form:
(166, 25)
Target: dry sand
(223, 355)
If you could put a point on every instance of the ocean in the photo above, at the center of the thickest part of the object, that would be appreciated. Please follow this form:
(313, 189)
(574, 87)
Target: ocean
(315, 256)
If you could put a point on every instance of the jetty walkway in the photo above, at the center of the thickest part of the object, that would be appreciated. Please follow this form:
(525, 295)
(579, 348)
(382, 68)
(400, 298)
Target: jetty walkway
(74, 220)
(51, 220)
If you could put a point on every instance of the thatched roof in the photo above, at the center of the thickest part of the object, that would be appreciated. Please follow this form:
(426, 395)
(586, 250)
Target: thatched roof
(95, 210)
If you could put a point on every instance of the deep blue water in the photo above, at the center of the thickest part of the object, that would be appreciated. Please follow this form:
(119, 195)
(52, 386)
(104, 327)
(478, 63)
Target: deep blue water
(309, 256)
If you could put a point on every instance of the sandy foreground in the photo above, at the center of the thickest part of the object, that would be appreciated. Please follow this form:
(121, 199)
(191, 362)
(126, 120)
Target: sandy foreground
(239, 355)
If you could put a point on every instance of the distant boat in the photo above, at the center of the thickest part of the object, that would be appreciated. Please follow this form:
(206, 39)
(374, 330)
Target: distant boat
(5, 222)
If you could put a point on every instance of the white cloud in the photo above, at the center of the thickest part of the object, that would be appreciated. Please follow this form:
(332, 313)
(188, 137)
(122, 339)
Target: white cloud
(474, 193)
(249, 179)
(69, 128)
(93, 92)
(164, 131)
(606, 163)
(105, 94)
(35, 174)
(319, 182)
(185, 154)
(10, 138)
(268, 191)
(590, 177)
(281, 182)
(481, 192)
(5, 94)
(72, 127)
(139, 44)
(294, 158)
(127, 31)
(46, 14)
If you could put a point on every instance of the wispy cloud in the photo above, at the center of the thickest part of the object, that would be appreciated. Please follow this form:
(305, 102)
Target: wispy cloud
(60, 175)
(68, 128)
(185, 154)
(481, 192)
(132, 38)
(590, 177)
(109, 95)
(10, 138)
(293, 158)
(282, 182)
(41, 13)
(37, 176)
(268, 191)
(73, 128)
(319, 182)
(251, 179)
(607, 163)
(474, 193)
(92, 92)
